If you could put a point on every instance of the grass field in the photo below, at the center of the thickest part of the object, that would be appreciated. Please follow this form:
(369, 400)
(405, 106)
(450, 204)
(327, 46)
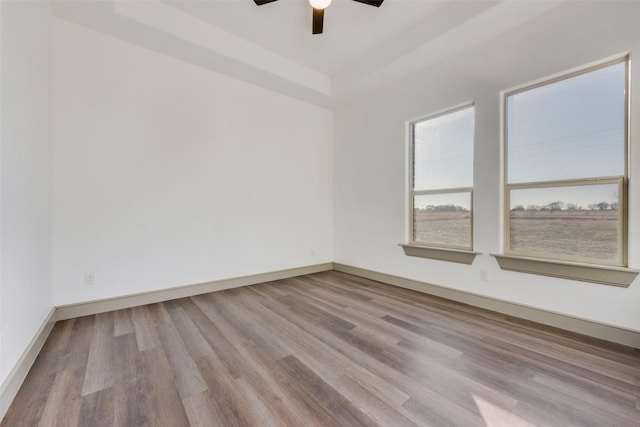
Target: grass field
(581, 234)
(449, 228)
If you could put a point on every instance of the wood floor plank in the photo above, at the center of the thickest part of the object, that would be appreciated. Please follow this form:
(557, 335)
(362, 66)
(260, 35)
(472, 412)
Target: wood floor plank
(589, 395)
(495, 364)
(324, 359)
(144, 327)
(200, 410)
(197, 310)
(32, 397)
(229, 405)
(59, 337)
(99, 374)
(165, 402)
(369, 355)
(317, 414)
(54, 399)
(326, 349)
(158, 314)
(283, 392)
(256, 388)
(330, 399)
(196, 344)
(435, 415)
(317, 315)
(97, 409)
(323, 295)
(185, 372)
(235, 325)
(350, 292)
(76, 354)
(538, 417)
(378, 410)
(64, 403)
(572, 368)
(123, 322)
(132, 405)
(264, 404)
(493, 415)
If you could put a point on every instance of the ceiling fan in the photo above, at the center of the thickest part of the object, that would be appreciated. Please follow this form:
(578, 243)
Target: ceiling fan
(318, 10)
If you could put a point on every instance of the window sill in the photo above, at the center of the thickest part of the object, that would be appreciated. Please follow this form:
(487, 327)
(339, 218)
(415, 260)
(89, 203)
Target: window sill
(608, 275)
(440, 254)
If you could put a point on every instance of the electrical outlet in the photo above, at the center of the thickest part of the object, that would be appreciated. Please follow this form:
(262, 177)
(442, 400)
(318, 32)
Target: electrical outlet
(89, 279)
(484, 275)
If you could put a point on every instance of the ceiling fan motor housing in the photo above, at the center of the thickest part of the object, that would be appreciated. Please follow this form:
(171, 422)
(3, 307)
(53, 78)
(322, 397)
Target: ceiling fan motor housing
(318, 10)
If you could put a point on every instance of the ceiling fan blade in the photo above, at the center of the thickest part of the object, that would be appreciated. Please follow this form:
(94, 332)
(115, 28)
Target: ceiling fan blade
(261, 2)
(318, 19)
(375, 3)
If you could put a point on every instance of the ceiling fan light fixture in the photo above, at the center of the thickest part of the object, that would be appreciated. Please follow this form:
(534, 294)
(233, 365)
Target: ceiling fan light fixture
(319, 4)
(318, 10)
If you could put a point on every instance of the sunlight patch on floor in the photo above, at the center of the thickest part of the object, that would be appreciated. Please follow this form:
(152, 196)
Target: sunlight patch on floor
(495, 416)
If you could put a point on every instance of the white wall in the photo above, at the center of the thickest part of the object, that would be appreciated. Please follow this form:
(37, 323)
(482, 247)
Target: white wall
(370, 159)
(25, 227)
(166, 174)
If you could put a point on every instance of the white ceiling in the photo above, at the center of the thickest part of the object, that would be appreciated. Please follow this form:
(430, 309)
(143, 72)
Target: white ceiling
(351, 29)
(361, 49)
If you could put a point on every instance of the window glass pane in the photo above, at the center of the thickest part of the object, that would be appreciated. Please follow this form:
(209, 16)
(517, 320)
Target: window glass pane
(570, 129)
(442, 219)
(443, 151)
(574, 221)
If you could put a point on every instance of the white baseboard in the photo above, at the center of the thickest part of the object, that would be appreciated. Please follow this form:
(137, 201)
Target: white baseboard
(109, 304)
(606, 332)
(12, 383)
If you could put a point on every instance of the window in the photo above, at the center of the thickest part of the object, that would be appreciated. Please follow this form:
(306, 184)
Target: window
(566, 167)
(441, 175)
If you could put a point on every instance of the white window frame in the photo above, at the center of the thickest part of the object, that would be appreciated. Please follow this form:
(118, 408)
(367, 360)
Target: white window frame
(608, 272)
(440, 251)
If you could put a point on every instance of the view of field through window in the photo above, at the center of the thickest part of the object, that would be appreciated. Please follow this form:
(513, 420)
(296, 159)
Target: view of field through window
(589, 234)
(443, 219)
(442, 176)
(565, 147)
(586, 227)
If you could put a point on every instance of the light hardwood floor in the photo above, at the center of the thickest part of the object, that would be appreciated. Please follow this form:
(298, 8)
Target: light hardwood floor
(327, 349)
